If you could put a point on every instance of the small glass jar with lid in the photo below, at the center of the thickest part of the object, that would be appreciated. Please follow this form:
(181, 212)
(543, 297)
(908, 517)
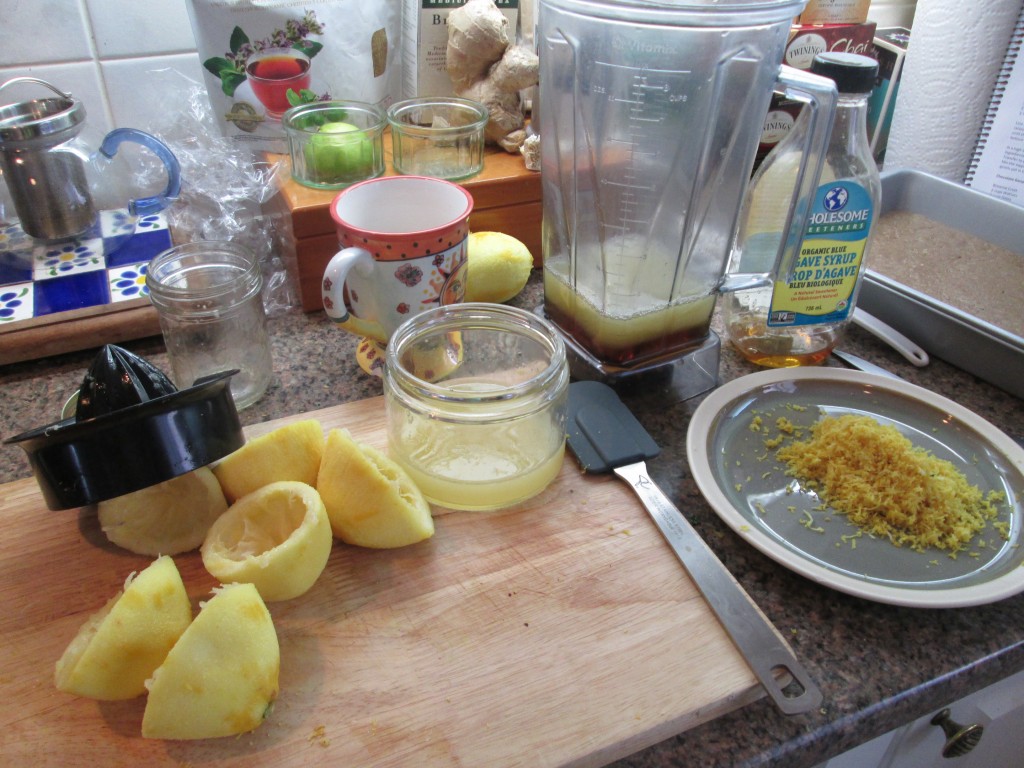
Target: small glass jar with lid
(475, 397)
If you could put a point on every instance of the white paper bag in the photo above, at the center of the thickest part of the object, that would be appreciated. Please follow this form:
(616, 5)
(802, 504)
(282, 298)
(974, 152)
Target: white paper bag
(262, 56)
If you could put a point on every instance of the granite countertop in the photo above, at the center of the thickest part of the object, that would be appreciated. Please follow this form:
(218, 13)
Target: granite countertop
(878, 666)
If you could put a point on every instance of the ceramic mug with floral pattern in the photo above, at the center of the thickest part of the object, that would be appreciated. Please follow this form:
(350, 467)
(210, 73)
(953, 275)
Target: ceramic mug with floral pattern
(403, 251)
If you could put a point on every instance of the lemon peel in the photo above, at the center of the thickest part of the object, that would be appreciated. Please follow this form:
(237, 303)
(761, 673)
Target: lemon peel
(222, 676)
(119, 646)
(278, 538)
(370, 500)
(290, 452)
(164, 519)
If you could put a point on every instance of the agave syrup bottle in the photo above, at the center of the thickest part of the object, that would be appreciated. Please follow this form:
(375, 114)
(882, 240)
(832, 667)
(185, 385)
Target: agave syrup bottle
(800, 318)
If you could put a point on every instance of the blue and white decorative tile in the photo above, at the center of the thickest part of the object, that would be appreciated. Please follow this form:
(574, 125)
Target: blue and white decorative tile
(74, 291)
(116, 223)
(68, 258)
(16, 302)
(150, 239)
(12, 238)
(15, 266)
(107, 264)
(151, 223)
(128, 282)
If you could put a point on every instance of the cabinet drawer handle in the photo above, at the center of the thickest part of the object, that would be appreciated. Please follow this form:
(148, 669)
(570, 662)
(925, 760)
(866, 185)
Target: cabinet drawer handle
(960, 739)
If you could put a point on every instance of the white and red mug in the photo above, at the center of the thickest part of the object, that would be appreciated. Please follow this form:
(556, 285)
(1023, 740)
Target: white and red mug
(403, 241)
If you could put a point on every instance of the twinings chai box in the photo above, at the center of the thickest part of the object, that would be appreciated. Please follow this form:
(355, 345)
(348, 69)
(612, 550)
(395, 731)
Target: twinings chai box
(808, 40)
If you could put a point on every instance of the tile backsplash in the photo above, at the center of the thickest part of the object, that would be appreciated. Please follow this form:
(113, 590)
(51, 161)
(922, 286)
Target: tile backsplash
(106, 52)
(102, 51)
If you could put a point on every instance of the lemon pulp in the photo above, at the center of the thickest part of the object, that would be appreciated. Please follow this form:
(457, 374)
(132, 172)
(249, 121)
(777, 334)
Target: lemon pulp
(370, 501)
(277, 537)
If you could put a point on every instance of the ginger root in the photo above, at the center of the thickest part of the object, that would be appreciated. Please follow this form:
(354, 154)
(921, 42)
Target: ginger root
(485, 66)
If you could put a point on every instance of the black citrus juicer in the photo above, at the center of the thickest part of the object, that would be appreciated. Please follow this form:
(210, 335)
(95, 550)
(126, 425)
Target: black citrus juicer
(132, 428)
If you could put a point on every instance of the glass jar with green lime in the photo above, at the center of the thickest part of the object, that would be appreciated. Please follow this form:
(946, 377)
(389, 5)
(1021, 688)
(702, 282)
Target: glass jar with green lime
(335, 143)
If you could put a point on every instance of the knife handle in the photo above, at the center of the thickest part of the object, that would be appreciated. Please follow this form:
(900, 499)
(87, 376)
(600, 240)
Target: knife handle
(754, 636)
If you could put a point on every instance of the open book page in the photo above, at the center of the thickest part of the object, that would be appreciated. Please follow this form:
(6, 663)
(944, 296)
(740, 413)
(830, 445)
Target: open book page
(998, 164)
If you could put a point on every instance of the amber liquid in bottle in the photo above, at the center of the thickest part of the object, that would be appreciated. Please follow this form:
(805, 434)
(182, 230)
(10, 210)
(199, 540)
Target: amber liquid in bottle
(848, 163)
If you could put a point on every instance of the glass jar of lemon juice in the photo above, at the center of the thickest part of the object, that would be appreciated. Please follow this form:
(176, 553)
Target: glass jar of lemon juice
(475, 397)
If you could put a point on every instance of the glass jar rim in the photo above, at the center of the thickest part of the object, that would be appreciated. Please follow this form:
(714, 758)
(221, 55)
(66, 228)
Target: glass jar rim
(376, 116)
(237, 256)
(475, 315)
(397, 111)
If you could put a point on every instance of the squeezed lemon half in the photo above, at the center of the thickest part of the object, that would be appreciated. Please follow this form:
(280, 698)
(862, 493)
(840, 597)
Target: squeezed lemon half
(370, 500)
(278, 538)
(291, 452)
(221, 677)
(120, 645)
(164, 519)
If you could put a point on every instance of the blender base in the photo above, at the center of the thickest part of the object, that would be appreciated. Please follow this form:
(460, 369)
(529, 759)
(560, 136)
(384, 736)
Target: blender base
(685, 375)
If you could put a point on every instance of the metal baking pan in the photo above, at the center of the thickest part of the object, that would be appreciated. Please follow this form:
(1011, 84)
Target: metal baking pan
(961, 339)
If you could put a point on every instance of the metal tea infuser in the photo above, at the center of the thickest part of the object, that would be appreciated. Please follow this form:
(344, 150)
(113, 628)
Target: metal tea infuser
(53, 178)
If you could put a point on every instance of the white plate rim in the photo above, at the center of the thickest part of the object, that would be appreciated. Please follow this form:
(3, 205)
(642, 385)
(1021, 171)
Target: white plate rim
(999, 588)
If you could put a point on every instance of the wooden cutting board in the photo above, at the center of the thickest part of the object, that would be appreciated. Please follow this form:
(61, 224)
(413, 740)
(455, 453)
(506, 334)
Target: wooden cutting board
(559, 632)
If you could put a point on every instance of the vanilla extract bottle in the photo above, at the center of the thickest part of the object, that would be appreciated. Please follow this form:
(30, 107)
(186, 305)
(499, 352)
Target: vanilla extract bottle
(800, 318)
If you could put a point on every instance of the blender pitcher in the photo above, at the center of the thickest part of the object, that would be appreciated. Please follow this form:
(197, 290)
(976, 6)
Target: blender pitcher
(652, 112)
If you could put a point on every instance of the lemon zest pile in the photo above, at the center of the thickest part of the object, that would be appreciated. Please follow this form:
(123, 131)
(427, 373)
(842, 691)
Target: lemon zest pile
(887, 486)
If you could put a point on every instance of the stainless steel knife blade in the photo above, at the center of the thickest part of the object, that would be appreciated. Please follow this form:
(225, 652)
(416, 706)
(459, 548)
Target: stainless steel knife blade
(863, 365)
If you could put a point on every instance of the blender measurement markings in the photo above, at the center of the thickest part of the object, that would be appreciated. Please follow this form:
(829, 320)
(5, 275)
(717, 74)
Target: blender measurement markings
(642, 115)
(636, 198)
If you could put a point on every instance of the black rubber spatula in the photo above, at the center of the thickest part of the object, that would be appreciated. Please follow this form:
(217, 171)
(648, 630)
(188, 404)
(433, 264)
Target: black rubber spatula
(606, 437)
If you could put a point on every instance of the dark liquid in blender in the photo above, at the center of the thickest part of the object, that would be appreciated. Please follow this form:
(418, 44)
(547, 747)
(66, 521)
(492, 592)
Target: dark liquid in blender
(627, 341)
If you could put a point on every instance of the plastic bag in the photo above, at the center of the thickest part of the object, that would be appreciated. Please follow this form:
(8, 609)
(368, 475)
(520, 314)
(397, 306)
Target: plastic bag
(223, 186)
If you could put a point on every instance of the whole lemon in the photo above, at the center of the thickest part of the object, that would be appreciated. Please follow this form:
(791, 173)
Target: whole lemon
(499, 266)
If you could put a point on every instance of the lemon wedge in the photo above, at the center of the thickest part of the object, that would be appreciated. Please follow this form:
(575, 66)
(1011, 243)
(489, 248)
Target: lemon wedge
(164, 519)
(370, 500)
(278, 538)
(221, 677)
(120, 645)
(290, 452)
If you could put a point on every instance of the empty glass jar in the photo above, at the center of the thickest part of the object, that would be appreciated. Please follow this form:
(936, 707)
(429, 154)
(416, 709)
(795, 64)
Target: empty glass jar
(440, 136)
(208, 297)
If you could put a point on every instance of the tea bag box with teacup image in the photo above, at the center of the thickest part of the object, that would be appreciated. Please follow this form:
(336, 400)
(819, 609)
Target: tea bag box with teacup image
(263, 57)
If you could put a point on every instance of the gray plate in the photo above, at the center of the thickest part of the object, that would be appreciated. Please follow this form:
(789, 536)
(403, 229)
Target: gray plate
(747, 488)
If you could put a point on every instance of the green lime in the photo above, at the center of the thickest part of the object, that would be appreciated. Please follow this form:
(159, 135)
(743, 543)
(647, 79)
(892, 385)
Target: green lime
(338, 152)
